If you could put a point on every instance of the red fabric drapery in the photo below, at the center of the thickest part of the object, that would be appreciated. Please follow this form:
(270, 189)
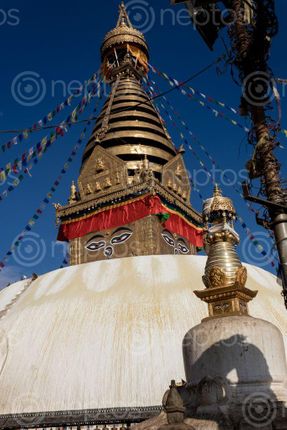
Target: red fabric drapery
(128, 213)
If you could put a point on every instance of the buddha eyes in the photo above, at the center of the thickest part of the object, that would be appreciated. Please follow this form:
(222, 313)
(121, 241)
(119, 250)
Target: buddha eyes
(168, 239)
(182, 248)
(96, 246)
(116, 240)
(179, 245)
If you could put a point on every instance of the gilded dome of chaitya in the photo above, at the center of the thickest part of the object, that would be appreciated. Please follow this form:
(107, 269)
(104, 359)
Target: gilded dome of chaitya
(124, 32)
(218, 203)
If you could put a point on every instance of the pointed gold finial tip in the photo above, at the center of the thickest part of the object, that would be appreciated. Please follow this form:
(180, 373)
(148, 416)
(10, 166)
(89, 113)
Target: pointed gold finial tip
(123, 16)
(217, 191)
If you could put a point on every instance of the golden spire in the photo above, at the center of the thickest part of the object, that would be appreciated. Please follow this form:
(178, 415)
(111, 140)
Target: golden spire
(224, 277)
(129, 126)
(123, 16)
(217, 191)
(129, 154)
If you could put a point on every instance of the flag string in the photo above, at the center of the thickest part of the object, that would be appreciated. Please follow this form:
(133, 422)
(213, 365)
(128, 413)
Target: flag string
(47, 199)
(35, 153)
(198, 143)
(260, 249)
(199, 93)
(39, 125)
(217, 113)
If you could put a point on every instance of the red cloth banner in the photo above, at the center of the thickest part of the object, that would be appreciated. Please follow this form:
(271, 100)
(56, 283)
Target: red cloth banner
(126, 214)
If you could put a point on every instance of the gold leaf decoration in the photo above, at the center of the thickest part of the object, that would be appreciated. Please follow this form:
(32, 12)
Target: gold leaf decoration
(217, 277)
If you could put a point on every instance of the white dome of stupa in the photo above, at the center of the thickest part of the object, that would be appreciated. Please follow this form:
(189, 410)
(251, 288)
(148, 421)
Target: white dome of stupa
(107, 334)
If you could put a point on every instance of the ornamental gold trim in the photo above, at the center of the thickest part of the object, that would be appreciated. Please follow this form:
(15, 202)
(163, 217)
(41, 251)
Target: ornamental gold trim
(146, 188)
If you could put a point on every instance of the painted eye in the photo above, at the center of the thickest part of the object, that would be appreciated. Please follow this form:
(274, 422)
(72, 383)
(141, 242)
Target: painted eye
(169, 240)
(96, 246)
(116, 240)
(183, 249)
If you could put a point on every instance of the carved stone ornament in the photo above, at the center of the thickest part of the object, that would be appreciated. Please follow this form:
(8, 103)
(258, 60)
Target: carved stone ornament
(99, 165)
(241, 277)
(222, 204)
(221, 308)
(175, 177)
(89, 189)
(97, 174)
(214, 278)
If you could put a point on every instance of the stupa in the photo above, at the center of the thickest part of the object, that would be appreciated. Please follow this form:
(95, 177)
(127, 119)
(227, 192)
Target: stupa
(97, 343)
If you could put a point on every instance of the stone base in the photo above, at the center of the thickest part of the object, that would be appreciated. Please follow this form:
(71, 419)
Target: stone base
(220, 421)
(236, 367)
(160, 420)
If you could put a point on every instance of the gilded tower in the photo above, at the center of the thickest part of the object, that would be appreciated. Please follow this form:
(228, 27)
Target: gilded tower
(133, 192)
(225, 277)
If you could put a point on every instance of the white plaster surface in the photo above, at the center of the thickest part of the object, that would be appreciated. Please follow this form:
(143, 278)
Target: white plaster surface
(108, 334)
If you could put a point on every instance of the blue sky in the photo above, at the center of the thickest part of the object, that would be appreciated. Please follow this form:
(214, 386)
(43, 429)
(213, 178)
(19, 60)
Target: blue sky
(60, 41)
